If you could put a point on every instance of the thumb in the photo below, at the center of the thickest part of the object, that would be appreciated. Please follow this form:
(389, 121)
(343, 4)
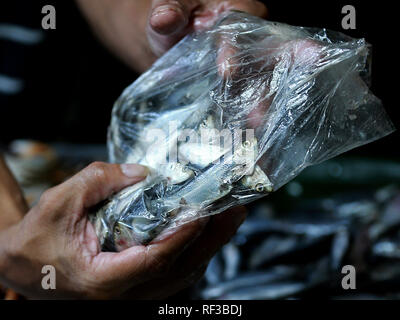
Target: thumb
(100, 180)
(170, 16)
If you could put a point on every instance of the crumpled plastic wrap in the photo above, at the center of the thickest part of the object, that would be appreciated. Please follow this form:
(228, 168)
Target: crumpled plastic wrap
(231, 114)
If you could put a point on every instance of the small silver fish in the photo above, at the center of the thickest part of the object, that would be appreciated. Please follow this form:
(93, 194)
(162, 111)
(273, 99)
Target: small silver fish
(105, 218)
(248, 280)
(199, 154)
(175, 172)
(101, 227)
(208, 123)
(218, 180)
(258, 181)
(139, 231)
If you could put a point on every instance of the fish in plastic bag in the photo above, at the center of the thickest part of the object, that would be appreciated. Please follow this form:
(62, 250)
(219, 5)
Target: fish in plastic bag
(229, 115)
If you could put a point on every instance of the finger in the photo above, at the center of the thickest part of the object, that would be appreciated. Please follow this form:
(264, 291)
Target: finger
(162, 254)
(218, 232)
(256, 117)
(226, 61)
(211, 10)
(99, 181)
(256, 8)
(171, 16)
(228, 55)
(303, 54)
(191, 265)
(141, 263)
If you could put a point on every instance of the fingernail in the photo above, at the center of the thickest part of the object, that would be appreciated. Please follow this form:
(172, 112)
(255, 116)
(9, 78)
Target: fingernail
(134, 170)
(163, 10)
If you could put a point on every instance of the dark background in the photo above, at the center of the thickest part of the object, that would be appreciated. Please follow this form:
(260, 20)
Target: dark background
(72, 81)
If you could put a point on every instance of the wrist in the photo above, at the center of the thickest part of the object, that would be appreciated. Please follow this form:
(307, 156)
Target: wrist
(7, 250)
(13, 204)
(16, 270)
(12, 212)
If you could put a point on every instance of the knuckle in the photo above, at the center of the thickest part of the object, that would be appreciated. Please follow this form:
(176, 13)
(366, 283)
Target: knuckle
(97, 172)
(48, 197)
(90, 183)
(97, 169)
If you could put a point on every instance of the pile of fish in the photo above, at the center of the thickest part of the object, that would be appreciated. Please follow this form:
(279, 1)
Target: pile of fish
(301, 253)
(139, 213)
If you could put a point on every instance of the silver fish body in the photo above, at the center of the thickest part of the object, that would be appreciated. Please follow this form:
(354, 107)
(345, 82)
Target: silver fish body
(159, 204)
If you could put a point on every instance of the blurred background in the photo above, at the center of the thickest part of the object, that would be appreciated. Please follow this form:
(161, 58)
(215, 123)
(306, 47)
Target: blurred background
(295, 242)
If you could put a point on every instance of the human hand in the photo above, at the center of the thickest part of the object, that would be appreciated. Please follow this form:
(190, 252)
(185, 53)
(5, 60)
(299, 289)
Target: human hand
(139, 31)
(170, 20)
(13, 204)
(57, 232)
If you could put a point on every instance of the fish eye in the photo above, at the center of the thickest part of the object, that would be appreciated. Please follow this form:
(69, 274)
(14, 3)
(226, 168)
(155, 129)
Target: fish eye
(260, 187)
(117, 230)
(246, 144)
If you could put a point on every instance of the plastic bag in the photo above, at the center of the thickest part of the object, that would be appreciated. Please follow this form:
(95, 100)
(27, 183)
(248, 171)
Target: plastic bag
(231, 114)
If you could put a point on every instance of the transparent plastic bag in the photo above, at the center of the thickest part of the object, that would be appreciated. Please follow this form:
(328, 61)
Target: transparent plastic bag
(231, 114)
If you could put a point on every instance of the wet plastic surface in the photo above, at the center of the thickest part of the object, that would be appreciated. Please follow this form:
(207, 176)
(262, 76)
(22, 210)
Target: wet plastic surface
(231, 114)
